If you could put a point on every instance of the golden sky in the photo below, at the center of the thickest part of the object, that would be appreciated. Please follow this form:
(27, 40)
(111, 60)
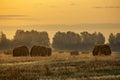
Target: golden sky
(25, 12)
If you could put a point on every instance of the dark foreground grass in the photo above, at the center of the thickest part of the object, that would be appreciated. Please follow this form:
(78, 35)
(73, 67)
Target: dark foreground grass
(62, 70)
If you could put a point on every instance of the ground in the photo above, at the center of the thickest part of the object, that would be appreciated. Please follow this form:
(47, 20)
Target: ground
(60, 66)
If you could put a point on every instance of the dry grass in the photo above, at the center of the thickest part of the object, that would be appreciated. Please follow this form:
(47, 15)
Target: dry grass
(60, 66)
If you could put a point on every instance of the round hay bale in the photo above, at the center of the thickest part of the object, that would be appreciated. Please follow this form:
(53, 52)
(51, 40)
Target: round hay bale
(20, 51)
(49, 51)
(35, 51)
(43, 51)
(74, 53)
(40, 51)
(60, 51)
(101, 50)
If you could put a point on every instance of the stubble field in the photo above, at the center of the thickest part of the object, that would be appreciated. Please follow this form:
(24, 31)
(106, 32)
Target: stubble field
(60, 66)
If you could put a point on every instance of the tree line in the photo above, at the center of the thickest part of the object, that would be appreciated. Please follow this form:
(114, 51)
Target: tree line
(114, 42)
(74, 41)
(83, 41)
(27, 38)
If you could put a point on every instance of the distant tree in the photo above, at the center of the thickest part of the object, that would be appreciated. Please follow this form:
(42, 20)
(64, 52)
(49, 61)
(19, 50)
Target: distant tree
(41, 38)
(20, 38)
(114, 41)
(66, 41)
(100, 38)
(86, 41)
(118, 39)
(89, 40)
(59, 40)
(4, 42)
(30, 38)
(73, 41)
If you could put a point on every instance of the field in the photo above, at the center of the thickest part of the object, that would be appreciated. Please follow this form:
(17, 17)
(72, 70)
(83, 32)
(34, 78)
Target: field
(60, 66)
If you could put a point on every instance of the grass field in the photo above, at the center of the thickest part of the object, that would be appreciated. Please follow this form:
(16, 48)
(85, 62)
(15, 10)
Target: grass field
(60, 66)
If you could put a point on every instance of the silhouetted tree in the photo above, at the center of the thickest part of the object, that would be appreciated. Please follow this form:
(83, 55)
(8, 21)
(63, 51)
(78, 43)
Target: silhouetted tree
(114, 41)
(89, 40)
(30, 38)
(73, 41)
(100, 38)
(4, 42)
(67, 41)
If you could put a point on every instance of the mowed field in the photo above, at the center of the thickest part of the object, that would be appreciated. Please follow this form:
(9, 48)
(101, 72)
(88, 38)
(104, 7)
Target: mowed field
(60, 66)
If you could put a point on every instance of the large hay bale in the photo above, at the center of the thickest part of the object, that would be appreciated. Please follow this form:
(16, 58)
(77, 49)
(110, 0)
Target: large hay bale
(43, 51)
(35, 51)
(49, 51)
(40, 51)
(74, 53)
(20, 51)
(101, 50)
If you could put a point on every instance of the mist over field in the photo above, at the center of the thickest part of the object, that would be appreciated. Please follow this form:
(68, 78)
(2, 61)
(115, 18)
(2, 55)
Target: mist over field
(61, 37)
(105, 28)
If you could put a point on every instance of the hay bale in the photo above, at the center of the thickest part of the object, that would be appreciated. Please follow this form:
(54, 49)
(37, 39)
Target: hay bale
(49, 51)
(101, 50)
(60, 51)
(20, 51)
(35, 51)
(84, 52)
(43, 51)
(74, 53)
(40, 51)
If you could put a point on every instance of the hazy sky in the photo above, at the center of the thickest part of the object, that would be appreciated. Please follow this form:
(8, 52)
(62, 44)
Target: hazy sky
(24, 12)
(15, 13)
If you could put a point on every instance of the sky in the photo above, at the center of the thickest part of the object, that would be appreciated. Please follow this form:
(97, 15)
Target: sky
(24, 12)
(16, 14)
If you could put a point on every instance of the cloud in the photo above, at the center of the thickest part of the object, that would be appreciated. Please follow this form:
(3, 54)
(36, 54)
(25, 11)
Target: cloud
(17, 17)
(109, 7)
(11, 16)
(72, 4)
